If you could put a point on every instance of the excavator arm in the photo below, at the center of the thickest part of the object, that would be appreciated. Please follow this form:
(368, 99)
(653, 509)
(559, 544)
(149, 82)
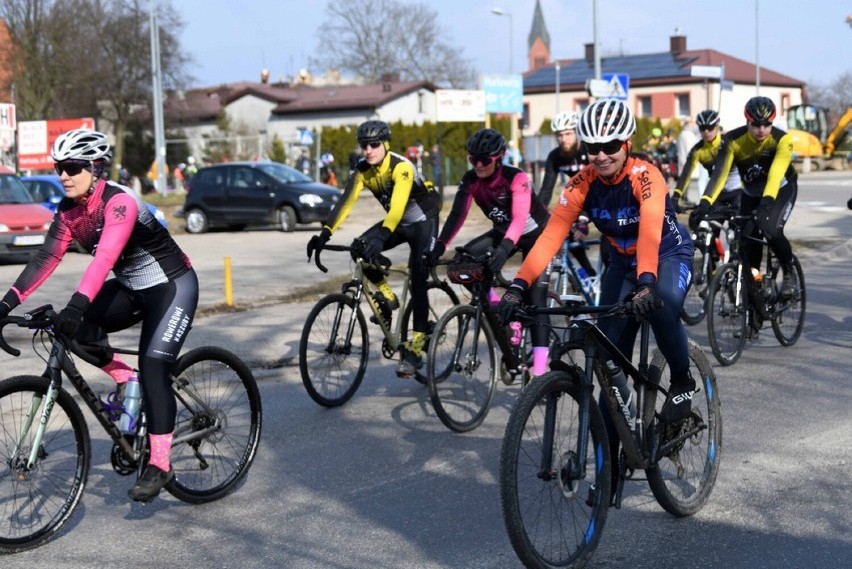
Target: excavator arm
(836, 136)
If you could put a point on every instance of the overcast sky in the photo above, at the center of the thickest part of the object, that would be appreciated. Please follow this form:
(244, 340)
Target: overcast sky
(232, 40)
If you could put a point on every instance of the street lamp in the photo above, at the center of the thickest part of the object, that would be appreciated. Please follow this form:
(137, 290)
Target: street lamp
(501, 12)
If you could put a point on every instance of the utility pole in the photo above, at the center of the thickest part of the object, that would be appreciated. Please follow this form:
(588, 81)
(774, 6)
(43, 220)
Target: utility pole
(157, 105)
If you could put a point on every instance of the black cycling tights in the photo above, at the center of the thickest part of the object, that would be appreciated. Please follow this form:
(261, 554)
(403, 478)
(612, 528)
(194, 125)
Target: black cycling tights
(771, 228)
(166, 312)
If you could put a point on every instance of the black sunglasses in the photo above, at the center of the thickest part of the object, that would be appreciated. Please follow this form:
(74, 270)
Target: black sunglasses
(609, 148)
(373, 145)
(484, 160)
(705, 127)
(757, 124)
(72, 168)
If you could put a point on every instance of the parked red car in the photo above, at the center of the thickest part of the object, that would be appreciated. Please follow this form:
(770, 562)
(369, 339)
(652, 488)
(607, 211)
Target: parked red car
(23, 223)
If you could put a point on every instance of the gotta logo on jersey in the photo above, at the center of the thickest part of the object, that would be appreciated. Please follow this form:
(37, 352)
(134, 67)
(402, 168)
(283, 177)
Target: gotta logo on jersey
(498, 214)
(753, 173)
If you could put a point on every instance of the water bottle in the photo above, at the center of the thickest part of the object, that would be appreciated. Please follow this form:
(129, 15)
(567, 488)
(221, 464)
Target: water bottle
(132, 400)
(585, 280)
(623, 393)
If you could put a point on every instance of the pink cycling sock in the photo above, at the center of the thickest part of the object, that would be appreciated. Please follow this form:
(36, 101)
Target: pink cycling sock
(493, 297)
(161, 449)
(118, 370)
(540, 355)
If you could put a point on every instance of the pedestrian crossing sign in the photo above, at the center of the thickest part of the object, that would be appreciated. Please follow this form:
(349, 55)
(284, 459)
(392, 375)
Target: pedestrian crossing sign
(617, 84)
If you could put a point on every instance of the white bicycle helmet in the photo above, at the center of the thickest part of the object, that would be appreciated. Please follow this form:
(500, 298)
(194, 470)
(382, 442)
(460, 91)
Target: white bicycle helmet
(80, 144)
(565, 121)
(605, 120)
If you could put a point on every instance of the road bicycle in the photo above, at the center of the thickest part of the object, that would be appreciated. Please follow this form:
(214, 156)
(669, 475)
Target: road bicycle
(711, 237)
(557, 475)
(45, 446)
(738, 304)
(334, 347)
(462, 368)
(566, 277)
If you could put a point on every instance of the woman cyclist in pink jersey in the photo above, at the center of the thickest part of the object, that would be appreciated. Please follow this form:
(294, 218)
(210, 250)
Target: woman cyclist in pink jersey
(154, 284)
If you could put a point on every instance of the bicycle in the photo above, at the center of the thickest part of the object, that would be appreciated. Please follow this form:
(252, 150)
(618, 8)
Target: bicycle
(738, 304)
(556, 472)
(45, 446)
(567, 279)
(334, 346)
(462, 368)
(711, 250)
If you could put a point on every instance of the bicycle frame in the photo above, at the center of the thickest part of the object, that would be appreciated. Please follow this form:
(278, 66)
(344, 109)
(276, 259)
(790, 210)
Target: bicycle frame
(564, 262)
(359, 284)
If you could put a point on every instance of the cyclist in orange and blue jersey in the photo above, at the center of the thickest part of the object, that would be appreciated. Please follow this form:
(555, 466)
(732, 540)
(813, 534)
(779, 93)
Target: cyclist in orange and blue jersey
(628, 200)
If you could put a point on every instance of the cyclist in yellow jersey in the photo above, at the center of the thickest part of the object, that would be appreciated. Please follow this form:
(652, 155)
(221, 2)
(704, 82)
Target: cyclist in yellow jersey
(412, 217)
(763, 155)
(704, 153)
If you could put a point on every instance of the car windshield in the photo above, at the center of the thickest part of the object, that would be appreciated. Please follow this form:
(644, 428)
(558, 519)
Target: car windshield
(283, 173)
(13, 191)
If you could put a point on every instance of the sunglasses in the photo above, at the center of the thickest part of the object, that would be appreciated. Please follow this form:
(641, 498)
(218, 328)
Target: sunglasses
(72, 168)
(608, 148)
(758, 124)
(483, 160)
(372, 145)
(703, 128)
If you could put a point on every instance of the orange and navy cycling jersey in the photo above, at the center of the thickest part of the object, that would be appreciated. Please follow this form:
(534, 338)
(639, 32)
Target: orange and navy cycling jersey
(764, 166)
(633, 211)
(704, 153)
(394, 182)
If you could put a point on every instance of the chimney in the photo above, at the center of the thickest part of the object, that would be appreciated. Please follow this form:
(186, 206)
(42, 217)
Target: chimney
(677, 43)
(264, 76)
(590, 52)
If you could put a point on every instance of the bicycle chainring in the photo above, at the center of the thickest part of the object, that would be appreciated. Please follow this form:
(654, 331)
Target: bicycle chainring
(121, 463)
(387, 351)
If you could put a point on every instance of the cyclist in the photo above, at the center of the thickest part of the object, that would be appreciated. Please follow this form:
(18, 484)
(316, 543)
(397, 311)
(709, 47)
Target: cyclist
(704, 153)
(628, 200)
(566, 160)
(504, 195)
(763, 156)
(412, 217)
(154, 284)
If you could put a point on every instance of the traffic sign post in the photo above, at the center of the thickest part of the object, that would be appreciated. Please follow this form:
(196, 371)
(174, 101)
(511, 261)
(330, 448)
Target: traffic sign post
(617, 85)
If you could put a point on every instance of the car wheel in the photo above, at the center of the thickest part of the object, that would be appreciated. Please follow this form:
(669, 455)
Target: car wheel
(196, 221)
(286, 219)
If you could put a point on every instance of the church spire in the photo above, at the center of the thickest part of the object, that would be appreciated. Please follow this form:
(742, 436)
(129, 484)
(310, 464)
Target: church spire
(538, 41)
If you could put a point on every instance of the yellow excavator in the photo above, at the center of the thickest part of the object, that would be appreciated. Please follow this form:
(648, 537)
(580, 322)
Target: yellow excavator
(812, 139)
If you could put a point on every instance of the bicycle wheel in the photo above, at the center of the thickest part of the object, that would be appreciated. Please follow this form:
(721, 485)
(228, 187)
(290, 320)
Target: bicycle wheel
(462, 397)
(554, 517)
(331, 365)
(36, 503)
(693, 305)
(683, 479)
(788, 316)
(441, 298)
(217, 427)
(726, 315)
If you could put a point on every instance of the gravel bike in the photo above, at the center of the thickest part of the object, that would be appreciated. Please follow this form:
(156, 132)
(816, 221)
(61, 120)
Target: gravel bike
(335, 344)
(45, 446)
(738, 303)
(557, 476)
(462, 368)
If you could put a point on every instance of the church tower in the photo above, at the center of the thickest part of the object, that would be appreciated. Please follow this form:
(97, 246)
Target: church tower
(538, 41)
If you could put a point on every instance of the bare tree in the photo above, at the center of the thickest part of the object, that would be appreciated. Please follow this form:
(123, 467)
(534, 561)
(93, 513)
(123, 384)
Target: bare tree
(384, 36)
(836, 96)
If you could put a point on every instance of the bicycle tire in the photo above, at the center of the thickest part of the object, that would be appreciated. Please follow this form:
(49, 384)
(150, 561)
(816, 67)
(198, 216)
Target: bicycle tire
(462, 397)
(726, 315)
(788, 316)
(213, 387)
(441, 298)
(694, 304)
(553, 521)
(35, 505)
(331, 378)
(683, 480)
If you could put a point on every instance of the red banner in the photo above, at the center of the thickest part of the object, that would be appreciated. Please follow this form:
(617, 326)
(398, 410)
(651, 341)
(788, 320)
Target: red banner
(35, 139)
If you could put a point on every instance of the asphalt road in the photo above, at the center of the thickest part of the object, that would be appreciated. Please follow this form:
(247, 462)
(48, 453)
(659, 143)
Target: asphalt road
(380, 482)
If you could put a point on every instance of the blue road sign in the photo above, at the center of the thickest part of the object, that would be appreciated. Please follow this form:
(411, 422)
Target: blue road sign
(618, 84)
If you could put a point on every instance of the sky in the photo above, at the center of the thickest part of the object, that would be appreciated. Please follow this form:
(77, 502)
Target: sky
(233, 40)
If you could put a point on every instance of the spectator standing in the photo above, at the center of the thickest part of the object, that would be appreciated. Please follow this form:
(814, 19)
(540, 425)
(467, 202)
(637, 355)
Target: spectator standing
(436, 159)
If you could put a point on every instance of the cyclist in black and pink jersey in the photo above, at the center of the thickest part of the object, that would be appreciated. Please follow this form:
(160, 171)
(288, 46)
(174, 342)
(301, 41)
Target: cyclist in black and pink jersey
(154, 284)
(504, 195)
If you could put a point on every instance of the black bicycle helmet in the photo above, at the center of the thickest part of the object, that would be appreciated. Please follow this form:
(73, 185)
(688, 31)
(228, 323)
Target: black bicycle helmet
(760, 109)
(486, 142)
(707, 118)
(373, 131)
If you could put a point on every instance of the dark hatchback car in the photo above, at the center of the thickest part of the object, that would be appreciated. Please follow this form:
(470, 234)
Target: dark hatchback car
(241, 194)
